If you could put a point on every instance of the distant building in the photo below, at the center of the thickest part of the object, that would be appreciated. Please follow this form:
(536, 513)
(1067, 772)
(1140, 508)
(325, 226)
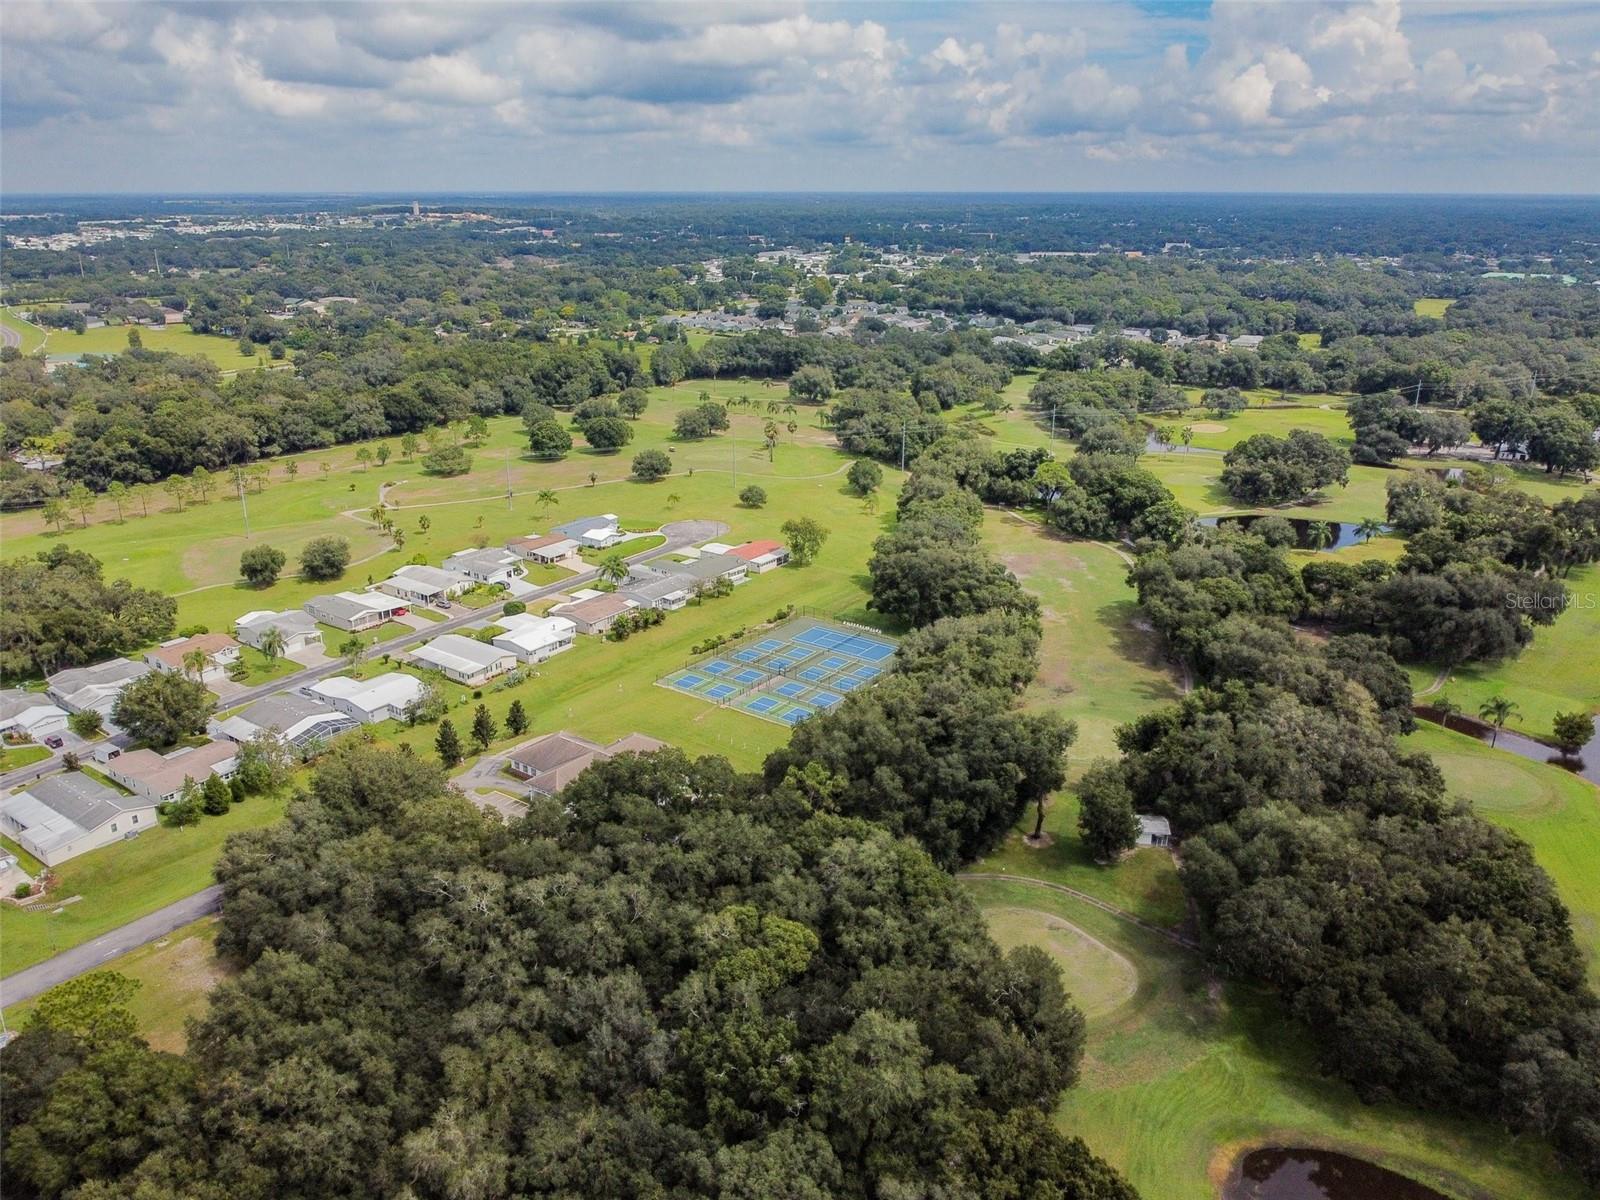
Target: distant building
(297, 628)
(220, 651)
(96, 688)
(597, 533)
(353, 611)
(381, 698)
(160, 778)
(62, 816)
(551, 762)
(464, 660)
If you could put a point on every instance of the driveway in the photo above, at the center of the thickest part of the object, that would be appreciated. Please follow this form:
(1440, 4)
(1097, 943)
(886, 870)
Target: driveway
(414, 621)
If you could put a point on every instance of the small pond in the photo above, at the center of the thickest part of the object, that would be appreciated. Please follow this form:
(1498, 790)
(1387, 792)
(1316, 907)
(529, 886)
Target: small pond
(1297, 1173)
(1345, 533)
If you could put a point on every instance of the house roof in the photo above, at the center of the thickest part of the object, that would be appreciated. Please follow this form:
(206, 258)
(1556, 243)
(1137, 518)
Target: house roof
(352, 604)
(751, 551)
(490, 558)
(107, 674)
(556, 759)
(59, 808)
(635, 743)
(15, 702)
(596, 608)
(1154, 825)
(283, 711)
(656, 587)
(585, 525)
(172, 653)
(389, 690)
(707, 566)
(291, 621)
(423, 578)
(541, 542)
(166, 773)
(461, 653)
(530, 633)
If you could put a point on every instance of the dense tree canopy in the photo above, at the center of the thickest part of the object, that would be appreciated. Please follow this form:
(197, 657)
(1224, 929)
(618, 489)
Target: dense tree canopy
(60, 612)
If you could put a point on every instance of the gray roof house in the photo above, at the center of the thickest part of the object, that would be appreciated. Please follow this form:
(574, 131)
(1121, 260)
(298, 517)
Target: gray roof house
(595, 532)
(655, 590)
(705, 568)
(297, 628)
(96, 687)
(302, 721)
(62, 816)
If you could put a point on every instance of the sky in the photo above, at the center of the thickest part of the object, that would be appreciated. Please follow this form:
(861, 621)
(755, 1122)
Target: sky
(298, 95)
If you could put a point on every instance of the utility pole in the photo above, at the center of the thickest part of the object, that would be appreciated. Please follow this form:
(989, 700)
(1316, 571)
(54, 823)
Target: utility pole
(244, 505)
(902, 445)
(508, 478)
(1416, 398)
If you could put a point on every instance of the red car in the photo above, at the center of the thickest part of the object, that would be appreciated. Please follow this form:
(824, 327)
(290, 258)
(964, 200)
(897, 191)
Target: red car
(54, 742)
(402, 612)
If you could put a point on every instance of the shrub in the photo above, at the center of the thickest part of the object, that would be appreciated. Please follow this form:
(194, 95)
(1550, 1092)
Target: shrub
(754, 496)
(513, 607)
(447, 460)
(651, 465)
(607, 433)
(23, 890)
(324, 558)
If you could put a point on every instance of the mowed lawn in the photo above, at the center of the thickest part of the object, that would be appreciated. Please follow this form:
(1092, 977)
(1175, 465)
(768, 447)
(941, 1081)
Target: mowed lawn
(113, 339)
(1559, 672)
(32, 335)
(175, 975)
(123, 881)
(1189, 1069)
(1431, 306)
(1556, 812)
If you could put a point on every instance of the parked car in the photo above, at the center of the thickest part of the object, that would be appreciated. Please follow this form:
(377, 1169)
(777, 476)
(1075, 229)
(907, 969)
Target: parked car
(402, 612)
(54, 741)
(443, 603)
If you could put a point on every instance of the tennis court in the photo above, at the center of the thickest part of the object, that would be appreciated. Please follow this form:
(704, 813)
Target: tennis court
(790, 673)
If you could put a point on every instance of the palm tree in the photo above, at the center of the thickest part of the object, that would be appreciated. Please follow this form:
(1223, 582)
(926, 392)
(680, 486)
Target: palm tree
(424, 522)
(545, 499)
(1164, 434)
(194, 663)
(1187, 435)
(1497, 711)
(613, 568)
(1320, 534)
(1446, 708)
(272, 643)
(1369, 529)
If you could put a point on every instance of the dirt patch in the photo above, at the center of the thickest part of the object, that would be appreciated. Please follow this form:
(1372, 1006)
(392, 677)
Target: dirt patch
(1208, 427)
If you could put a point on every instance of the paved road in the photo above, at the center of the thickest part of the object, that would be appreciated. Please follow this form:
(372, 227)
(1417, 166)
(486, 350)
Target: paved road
(41, 977)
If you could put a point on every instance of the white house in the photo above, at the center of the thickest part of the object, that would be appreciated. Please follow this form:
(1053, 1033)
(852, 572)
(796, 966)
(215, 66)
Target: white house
(160, 778)
(492, 564)
(424, 585)
(463, 659)
(650, 589)
(534, 639)
(29, 715)
(762, 555)
(1154, 831)
(83, 688)
(297, 629)
(551, 548)
(220, 652)
(62, 816)
(595, 614)
(596, 533)
(381, 698)
(303, 721)
(353, 611)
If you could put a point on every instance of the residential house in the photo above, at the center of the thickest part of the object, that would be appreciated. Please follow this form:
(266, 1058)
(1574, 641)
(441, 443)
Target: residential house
(651, 589)
(353, 611)
(160, 778)
(704, 568)
(547, 550)
(1154, 831)
(424, 585)
(534, 639)
(220, 652)
(381, 698)
(29, 715)
(1247, 341)
(490, 565)
(62, 816)
(762, 556)
(594, 614)
(551, 762)
(596, 533)
(305, 722)
(84, 688)
(297, 629)
(463, 659)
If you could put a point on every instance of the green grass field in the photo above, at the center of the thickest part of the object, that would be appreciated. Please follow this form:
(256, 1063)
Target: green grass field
(1557, 812)
(113, 339)
(1331, 422)
(1190, 1068)
(1560, 672)
(12, 757)
(123, 881)
(175, 976)
(1431, 306)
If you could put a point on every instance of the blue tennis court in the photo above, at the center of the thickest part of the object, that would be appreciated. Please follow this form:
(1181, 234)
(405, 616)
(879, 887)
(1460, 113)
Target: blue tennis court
(846, 684)
(689, 681)
(716, 667)
(791, 689)
(866, 672)
(833, 662)
(824, 699)
(816, 674)
(748, 675)
(748, 654)
(720, 691)
(794, 716)
(779, 664)
(762, 704)
(769, 645)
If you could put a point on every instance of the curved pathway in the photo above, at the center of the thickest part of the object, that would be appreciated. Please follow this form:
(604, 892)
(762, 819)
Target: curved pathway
(1171, 935)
